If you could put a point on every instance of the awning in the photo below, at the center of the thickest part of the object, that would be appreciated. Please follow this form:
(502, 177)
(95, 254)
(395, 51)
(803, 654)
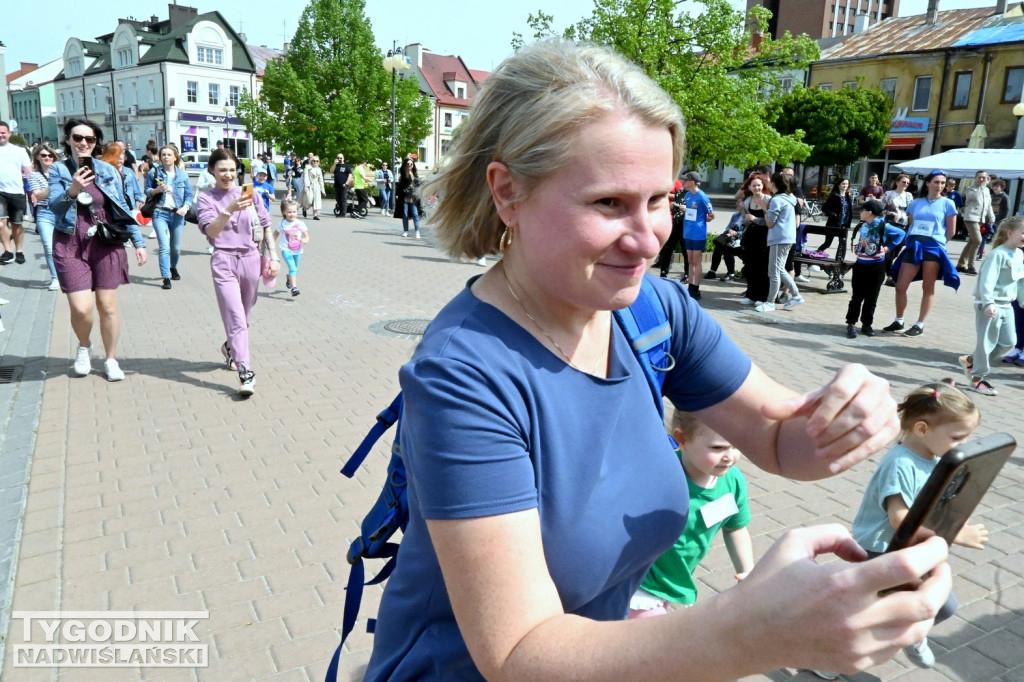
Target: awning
(903, 142)
(964, 163)
(190, 131)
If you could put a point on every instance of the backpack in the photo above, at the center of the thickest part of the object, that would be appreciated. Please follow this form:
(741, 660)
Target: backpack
(647, 328)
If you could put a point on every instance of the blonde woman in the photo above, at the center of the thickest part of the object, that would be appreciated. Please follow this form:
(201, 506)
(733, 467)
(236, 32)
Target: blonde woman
(313, 187)
(172, 182)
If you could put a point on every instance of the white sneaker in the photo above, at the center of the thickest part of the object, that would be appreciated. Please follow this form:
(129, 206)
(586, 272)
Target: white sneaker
(4, 301)
(765, 308)
(794, 302)
(152, 235)
(417, 234)
(482, 262)
(54, 285)
(802, 279)
(920, 654)
(405, 234)
(113, 370)
(248, 379)
(815, 268)
(1, 326)
(747, 301)
(83, 361)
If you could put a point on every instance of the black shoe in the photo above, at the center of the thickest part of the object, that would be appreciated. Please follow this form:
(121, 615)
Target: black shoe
(167, 284)
(890, 282)
(7, 257)
(295, 291)
(303, 213)
(916, 330)
(19, 258)
(961, 268)
(970, 270)
(728, 277)
(711, 274)
(174, 274)
(894, 327)
(316, 217)
(868, 331)
(851, 331)
(663, 273)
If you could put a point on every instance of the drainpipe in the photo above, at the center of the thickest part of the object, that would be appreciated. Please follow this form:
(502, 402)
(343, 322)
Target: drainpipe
(113, 104)
(942, 93)
(984, 87)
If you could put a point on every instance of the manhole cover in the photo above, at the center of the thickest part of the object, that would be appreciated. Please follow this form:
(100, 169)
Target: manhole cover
(10, 375)
(406, 329)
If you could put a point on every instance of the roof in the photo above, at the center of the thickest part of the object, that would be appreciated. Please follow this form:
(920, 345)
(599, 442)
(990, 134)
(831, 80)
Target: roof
(435, 66)
(25, 69)
(37, 77)
(1003, 30)
(170, 47)
(901, 35)
(261, 54)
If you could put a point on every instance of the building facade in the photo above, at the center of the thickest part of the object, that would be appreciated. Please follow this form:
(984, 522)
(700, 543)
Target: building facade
(33, 102)
(950, 75)
(451, 87)
(824, 18)
(172, 81)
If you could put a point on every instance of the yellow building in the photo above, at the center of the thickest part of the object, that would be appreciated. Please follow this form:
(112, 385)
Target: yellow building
(950, 75)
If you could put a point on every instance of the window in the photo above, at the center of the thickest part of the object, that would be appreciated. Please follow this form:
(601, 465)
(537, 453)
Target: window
(92, 92)
(888, 86)
(445, 146)
(152, 91)
(63, 107)
(786, 84)
(961, 89)
(447, 120)
(850, 85)
(922, 92)
(461, 93)
(124, 56)
(214, 93)
(74, 67)
(210, 55)
(1013, 85)
(825, 86)
(234, 92)
(192, 91)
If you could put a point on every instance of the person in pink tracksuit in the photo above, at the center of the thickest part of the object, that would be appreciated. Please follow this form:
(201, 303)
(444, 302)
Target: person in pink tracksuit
(236, 227)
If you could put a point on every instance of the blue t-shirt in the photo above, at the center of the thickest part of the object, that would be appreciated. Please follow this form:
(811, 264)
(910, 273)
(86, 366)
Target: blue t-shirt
(930, 218)
(495, 423)
(901, 472)
(265, 190)
(695, 218)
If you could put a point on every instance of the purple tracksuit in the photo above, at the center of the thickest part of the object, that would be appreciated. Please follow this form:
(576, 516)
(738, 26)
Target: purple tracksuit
(235, 265)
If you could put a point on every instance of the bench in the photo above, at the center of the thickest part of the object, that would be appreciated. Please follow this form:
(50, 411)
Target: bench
(835, 267)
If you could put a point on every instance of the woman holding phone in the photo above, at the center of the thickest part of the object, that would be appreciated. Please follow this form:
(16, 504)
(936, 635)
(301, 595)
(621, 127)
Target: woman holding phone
(169, 216)
(236, 227)
(84, 191)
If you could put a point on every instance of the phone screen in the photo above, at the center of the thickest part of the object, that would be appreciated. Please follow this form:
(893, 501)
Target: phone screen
(953, 491)
(86, 162)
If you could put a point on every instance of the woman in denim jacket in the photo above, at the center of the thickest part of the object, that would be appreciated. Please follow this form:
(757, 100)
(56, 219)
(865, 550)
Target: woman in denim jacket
(169, 216)
(84, 264)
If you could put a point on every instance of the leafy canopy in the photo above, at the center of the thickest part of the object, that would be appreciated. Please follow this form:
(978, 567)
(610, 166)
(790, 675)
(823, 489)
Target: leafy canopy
(698, 52)
(841, 126)
(331, 93)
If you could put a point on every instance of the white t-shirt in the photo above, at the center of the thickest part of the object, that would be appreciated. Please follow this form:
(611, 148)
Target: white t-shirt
(290, 240)
(12, 159)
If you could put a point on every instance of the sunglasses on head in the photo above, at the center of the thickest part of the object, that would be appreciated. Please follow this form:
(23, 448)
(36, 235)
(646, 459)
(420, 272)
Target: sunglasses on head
(936, 172)
(83, 138)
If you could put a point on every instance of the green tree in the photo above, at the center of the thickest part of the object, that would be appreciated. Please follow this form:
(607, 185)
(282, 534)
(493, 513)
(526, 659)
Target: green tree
(330, 92)
(841, 126)
(702, 58)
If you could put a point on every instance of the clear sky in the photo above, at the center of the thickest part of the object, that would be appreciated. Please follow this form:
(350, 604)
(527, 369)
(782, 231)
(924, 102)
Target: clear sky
(38, 32)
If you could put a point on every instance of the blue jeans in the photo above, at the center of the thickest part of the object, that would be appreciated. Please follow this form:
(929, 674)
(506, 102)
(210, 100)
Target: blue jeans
(44, 228)
(411, 208)
(169, 226)
(385, 196)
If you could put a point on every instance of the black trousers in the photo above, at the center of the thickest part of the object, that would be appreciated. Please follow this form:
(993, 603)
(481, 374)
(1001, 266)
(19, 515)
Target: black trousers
(341, 198)
(867, 282)
(364, 199)
(728, 254)
(755, 262)
(664, 261)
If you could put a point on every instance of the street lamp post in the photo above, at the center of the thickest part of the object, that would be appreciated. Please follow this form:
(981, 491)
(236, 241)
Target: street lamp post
(393, 62)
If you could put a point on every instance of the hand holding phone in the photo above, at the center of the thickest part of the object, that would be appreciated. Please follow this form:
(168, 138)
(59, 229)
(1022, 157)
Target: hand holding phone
(247, 190)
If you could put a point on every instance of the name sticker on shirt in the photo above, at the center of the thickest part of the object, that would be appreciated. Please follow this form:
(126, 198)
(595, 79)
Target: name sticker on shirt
(922, 228)
(691, 214)
(719, 510)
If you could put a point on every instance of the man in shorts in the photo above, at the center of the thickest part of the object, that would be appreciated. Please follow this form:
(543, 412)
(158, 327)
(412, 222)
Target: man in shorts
(15, 167)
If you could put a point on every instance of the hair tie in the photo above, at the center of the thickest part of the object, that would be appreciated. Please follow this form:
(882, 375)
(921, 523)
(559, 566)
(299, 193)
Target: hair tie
(935, 394)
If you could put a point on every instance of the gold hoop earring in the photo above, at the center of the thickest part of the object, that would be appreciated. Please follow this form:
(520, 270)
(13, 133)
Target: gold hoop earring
(506, 239)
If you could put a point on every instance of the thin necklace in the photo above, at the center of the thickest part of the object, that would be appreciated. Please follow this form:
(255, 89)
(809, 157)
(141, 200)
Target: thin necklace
(543, 331)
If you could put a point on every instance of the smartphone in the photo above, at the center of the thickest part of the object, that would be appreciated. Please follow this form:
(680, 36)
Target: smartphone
(247, 190)
(86, 162)
(953, 490)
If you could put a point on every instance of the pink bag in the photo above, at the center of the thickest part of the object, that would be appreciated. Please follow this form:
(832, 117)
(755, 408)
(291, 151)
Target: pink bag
(268, 279)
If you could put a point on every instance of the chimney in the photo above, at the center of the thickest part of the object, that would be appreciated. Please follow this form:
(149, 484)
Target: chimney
(1000, 7)
(861, 22)
(243, 37)
(932, 15)
(756, 40)
(287, 46)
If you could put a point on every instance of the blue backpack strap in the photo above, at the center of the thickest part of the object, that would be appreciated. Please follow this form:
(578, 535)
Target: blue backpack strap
(385, 420)
(646, 325)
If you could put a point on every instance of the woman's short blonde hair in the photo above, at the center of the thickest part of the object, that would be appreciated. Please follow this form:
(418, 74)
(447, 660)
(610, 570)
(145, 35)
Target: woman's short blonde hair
(528, 115)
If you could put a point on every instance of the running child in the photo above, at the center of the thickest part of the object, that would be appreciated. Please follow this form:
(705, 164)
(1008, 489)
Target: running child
(996, 290)
(877, 237)
(933, 418)
(263, 187)
(718, 500)
(292, 235)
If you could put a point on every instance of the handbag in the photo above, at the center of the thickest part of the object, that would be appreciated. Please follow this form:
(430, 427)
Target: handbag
(191, 216)
(726, 241)
(112, 234)
(265, 261)
(150, 206)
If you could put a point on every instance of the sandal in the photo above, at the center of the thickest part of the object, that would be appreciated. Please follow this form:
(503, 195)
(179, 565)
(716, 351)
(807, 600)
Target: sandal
(229, 362)
(982, 386)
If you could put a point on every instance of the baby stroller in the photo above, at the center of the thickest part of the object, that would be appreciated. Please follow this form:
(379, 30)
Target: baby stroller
(352, 206)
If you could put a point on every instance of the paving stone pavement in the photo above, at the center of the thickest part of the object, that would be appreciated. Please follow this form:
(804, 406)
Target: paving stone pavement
(167, 492)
